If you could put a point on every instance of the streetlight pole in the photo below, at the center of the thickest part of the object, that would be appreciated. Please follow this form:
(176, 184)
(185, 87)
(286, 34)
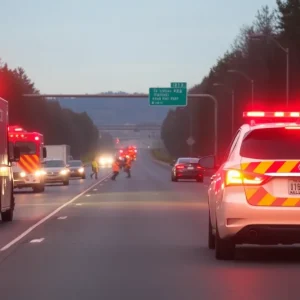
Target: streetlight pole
(287, 52)
(232, 104)
(247, 78)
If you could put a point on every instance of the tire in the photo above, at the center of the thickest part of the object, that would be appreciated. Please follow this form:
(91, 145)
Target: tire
(211, 237)
(8, 216)
(39, 188)
(66, 182)
(225, 249)
(174, 179)
(199, 179)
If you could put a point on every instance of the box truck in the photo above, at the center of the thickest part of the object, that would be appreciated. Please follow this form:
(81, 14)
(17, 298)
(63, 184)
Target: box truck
(58, 152)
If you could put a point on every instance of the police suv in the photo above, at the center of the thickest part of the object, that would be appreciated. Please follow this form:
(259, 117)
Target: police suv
(254, 197)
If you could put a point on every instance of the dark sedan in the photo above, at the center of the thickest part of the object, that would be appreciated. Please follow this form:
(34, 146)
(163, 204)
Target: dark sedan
(76, 168)
(187, 168)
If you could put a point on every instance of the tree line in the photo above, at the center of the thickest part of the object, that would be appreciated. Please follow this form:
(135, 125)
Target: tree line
(59, 125)
(259, 54)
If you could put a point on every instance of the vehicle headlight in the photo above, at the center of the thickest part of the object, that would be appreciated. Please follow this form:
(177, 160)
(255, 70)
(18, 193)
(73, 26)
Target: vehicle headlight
(64, 172)
(102, 160)
(23, 174)
(38, 173)
(110, 160)
(81, 170)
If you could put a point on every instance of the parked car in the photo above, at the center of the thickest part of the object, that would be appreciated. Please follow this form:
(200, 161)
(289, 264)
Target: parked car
(76, 168)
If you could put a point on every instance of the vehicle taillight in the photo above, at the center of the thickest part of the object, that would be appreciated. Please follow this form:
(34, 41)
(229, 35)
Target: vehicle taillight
(179, 167)
(238, 177)
(199, 168)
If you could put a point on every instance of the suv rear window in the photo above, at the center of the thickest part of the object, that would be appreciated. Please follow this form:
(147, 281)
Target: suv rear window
(271, 143)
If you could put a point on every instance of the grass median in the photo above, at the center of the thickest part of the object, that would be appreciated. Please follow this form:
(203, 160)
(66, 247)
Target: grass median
(161, 155)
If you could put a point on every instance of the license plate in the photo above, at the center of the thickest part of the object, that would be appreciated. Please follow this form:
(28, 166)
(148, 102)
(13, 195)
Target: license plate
(294, 187)
(190, 168)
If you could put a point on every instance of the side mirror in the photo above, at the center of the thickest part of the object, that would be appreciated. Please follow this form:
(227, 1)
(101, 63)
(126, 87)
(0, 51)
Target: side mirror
(17, 154)
(208, 162)
(44, 152)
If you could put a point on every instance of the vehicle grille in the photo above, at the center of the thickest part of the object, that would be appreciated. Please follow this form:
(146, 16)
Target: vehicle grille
(52, 173)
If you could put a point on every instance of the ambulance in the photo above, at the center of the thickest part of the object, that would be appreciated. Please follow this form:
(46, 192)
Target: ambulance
(8, 155)
(254, 196)
(28, 171)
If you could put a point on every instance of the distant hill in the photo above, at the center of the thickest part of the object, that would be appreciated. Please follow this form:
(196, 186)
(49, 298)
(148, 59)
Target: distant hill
(117, 110)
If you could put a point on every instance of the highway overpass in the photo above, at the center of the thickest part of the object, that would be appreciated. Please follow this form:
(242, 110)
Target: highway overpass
(129, 127)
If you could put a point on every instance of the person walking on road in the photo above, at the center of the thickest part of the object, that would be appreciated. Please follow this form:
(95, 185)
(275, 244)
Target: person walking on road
(128, 167)
(116, 169)
(95, 168)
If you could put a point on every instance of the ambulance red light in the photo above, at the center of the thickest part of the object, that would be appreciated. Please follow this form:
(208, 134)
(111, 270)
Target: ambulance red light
(279, 114)
(293, 127)
(254, 114)
(36, 138)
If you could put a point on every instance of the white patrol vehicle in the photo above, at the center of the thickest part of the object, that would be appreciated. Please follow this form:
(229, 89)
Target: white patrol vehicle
(254, 197)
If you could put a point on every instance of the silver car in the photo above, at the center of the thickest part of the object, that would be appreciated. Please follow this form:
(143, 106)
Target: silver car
(56, 171)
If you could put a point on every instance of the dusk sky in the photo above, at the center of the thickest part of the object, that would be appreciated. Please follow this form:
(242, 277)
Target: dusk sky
(73, 46)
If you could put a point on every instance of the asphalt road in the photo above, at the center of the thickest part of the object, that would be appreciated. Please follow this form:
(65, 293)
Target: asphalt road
(31, 207)
(140, 238)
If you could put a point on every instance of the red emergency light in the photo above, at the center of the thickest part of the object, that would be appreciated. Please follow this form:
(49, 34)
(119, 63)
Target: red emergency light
(276, 114)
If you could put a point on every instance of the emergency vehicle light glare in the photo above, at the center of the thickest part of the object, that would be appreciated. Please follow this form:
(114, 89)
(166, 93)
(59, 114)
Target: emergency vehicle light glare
(254, 114)
(36, 138)
(279, 114)
(293, 127)
(18, 129)
(276, 114)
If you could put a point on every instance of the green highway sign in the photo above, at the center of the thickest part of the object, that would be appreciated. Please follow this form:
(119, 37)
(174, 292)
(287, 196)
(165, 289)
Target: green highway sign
(180, 85)
(169, 96)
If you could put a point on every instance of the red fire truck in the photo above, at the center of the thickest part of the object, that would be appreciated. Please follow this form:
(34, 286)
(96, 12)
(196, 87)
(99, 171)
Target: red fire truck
(27, 172)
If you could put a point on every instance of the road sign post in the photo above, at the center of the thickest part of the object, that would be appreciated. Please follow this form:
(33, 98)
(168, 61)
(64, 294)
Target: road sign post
(176, 95)
(190, 141)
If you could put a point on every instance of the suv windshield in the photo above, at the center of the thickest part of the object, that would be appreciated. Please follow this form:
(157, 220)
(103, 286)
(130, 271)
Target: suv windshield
(75, 163)
(26, 147)
(54, 164)
(272, 143)
(188, 160)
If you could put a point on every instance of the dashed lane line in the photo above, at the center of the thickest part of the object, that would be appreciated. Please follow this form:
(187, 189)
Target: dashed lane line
(30, 229)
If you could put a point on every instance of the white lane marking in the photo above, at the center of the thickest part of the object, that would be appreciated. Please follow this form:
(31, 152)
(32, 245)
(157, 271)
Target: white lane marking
(88, 195)
(78, 204)
(96, 189)
(62, 218)
(37, 240)
(26, 232)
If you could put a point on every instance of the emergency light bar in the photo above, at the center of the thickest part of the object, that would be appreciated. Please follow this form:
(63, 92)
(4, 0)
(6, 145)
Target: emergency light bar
(277, 114)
